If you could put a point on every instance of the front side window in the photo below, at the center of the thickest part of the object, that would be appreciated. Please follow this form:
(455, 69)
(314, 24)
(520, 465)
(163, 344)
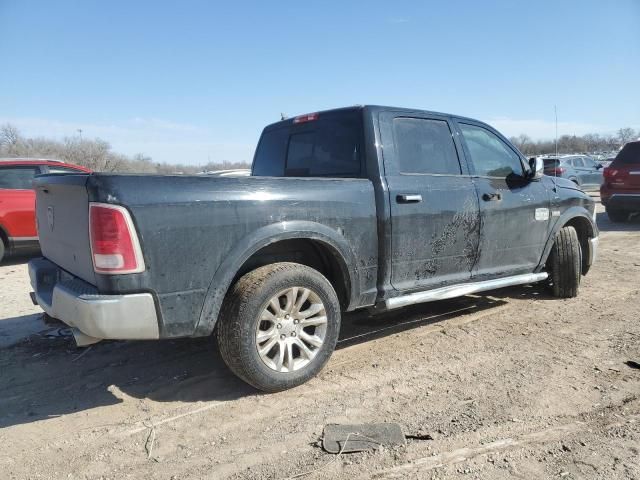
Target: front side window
(425, 146)
(18, 178)
(490, 156)
(577, 162)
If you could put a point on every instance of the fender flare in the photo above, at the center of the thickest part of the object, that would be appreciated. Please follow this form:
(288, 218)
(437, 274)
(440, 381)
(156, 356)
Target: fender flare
(264, 236)
(568, 215)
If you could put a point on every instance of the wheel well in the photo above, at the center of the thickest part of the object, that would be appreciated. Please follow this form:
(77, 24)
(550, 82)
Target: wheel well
(584, 230)
(312, 253)
(4, 237)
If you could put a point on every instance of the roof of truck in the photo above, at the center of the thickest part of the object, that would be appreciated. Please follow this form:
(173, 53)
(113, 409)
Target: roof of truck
(373, 108)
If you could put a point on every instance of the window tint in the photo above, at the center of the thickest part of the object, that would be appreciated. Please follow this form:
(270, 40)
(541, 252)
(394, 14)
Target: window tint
(53, 169)
(269, 158)
(327, 147)
(330, 149)
(629, 155)
(490, 156)
(425, 146)
(17, 177)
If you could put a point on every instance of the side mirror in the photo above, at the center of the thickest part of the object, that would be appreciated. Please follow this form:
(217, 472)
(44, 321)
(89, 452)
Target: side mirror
(599, 166)
(537, 168)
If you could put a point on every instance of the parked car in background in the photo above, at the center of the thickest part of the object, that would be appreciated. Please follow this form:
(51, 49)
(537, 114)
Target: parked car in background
(236, 172)
(580, 169)
(620, 192)
(329, 221)
(17, 201)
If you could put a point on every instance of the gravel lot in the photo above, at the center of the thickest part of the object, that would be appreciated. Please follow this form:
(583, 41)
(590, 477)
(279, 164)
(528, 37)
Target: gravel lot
(509, 384)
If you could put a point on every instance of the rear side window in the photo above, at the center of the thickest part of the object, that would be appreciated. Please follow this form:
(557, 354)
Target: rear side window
(629, 155)
(329, 146)
(425, 146)
(490, 156)
(18, 178)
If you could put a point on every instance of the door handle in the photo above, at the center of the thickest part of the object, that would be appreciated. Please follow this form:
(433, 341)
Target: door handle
(408, 198)
(492, 197)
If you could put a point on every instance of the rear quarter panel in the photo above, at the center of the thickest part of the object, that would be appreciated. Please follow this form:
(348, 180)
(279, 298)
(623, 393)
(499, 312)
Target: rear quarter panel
(196, 231)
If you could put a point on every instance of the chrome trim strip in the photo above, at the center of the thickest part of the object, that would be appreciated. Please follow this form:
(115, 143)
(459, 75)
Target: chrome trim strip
(593, 251)
(462, 289)
(23, 239)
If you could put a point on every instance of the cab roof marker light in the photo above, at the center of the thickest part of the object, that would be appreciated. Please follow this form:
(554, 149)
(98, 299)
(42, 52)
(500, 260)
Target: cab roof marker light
(309, 117)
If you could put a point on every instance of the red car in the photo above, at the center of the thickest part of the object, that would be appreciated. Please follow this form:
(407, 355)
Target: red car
(620, 192)
(17, 201)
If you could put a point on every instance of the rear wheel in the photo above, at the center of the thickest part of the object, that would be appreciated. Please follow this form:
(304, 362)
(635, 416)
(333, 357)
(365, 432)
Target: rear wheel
(279, 325)
(3, 249)
(616, 215)
(565, 263)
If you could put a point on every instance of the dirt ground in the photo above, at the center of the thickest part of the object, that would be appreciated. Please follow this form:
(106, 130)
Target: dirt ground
(513, 384)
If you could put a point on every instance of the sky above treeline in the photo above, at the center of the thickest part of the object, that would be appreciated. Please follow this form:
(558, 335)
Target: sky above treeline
(196, 81)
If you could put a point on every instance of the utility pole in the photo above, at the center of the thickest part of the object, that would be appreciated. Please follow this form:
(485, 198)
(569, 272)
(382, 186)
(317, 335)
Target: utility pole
(80, 133)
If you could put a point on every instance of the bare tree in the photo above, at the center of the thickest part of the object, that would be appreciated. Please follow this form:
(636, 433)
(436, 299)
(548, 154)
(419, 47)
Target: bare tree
(9, 135)
(625, 135)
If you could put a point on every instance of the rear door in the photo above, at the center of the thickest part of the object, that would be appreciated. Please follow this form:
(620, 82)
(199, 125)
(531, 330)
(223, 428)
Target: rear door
(515, 211)
(17, 200)
(435, 221)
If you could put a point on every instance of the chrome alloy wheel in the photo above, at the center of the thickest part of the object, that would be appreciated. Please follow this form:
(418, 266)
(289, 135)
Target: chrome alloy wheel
(291, 330)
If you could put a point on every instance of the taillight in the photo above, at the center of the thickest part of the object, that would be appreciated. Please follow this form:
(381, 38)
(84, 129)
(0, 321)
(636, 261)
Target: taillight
(309, 117)
(556, 171)
(609, 173)
(114, 244)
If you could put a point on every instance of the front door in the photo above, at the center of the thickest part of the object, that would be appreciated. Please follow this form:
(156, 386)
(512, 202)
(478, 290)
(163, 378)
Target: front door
(434, 208)
(515, 210)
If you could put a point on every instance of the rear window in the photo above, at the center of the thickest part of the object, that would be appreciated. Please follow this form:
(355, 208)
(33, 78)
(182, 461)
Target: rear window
(550, 162)
(330, 146)
(629, 155)
(18, 178)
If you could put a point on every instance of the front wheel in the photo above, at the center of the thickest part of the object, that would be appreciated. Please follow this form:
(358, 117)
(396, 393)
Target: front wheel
(565, 263)
(279, 325)
(2, 249)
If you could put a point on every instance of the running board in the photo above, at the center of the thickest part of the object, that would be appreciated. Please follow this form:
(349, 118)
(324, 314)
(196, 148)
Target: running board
(462, 289)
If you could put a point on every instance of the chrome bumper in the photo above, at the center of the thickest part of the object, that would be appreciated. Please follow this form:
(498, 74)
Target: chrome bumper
(96, 316)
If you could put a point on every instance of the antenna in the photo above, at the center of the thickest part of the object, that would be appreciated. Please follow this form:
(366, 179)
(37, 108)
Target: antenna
(555, 109)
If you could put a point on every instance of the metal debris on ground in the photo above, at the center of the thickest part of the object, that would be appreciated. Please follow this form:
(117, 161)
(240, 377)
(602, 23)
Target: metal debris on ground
(358, 438)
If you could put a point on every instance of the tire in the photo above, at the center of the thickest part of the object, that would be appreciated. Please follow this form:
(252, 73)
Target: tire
(617, 216)
(2, 249)
(565, 263)
(249, 320)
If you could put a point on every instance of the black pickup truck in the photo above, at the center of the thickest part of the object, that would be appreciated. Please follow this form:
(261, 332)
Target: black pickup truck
(357, 207)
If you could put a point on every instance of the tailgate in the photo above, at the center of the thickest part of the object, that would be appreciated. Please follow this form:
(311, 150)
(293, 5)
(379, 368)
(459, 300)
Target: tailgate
(62, 212)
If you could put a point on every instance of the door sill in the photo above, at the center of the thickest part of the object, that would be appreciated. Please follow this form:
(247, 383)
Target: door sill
(462, 289)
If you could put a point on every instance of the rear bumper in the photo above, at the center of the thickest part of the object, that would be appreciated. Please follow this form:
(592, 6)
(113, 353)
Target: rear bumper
(623, 201)
(79, 305)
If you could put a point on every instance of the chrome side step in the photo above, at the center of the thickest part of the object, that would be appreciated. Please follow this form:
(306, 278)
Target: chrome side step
(462, 289)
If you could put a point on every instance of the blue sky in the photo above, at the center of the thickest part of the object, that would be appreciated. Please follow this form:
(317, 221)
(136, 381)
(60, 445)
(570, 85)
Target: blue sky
(190, 81)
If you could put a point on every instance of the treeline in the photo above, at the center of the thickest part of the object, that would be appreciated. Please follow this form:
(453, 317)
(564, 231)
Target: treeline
(591, 143)
(95, 154)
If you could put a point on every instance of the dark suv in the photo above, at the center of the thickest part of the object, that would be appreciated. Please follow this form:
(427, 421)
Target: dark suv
(620, 192)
